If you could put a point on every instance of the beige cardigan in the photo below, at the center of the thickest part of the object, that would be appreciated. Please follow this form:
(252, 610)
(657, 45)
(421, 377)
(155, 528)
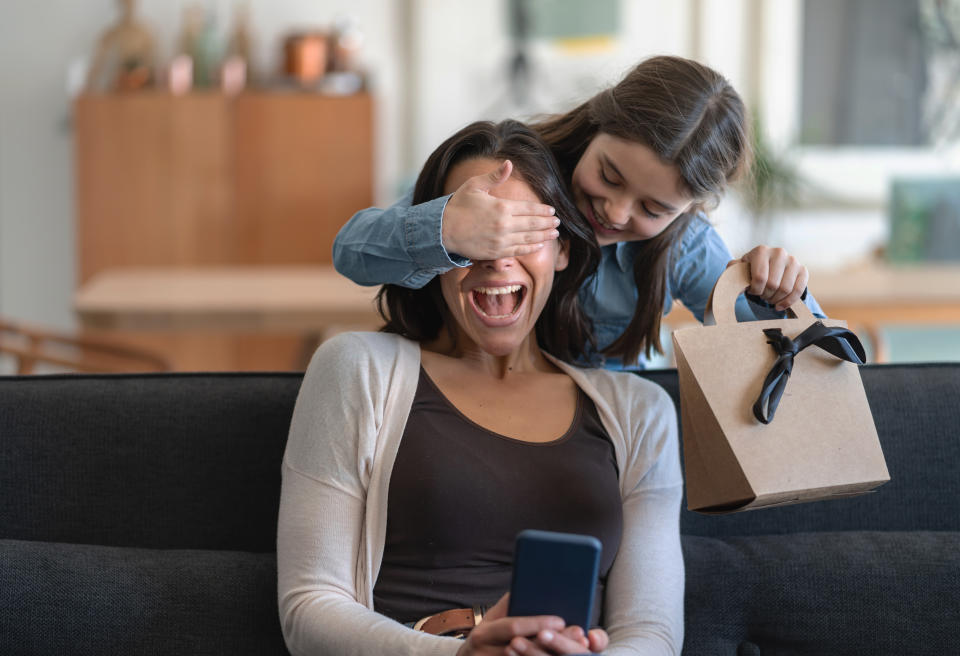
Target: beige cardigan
(346, 428)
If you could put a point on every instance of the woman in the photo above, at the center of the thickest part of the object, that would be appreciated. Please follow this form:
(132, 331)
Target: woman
(416, 455)
(643, 159)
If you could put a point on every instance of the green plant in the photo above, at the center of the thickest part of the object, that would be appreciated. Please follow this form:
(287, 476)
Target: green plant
(773, 181)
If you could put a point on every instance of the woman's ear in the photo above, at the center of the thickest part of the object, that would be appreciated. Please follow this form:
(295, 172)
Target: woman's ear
(563, 254)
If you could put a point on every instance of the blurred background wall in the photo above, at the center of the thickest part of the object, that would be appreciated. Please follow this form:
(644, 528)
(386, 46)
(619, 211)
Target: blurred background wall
(434, 65)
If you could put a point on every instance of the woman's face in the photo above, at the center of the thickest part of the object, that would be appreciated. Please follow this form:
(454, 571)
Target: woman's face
(496, 303)
(625, 191)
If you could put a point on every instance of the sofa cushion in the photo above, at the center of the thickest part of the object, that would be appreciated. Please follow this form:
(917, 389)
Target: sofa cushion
(839, 593)
(60, 598)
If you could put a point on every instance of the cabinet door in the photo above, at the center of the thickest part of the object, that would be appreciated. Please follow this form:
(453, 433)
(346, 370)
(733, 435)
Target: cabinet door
(153, 181)
(303, 166)
(203, 179)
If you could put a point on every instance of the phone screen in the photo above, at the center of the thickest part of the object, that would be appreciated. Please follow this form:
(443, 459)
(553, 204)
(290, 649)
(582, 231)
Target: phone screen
(555, 574)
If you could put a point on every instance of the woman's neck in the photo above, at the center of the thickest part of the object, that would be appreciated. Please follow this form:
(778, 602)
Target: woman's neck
(527, 358)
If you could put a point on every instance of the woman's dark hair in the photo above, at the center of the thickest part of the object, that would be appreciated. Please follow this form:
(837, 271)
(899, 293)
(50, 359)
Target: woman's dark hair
(562, 328)
(693, 119)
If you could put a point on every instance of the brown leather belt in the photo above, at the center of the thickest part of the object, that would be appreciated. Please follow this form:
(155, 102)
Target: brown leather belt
(456, 623)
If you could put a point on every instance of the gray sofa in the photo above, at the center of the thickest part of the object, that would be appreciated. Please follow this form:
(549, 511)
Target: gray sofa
(137, 516)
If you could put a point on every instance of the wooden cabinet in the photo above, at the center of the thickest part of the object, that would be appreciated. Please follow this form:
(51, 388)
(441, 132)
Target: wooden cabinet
(259, 178)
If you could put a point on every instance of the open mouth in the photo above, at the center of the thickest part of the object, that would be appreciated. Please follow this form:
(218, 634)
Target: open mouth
(498, 302)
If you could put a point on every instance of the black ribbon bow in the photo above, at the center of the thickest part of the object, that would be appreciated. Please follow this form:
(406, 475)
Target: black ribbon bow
(839, 342)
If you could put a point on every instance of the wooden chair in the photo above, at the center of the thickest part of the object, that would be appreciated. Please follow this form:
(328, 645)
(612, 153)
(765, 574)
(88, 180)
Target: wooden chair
(30, 345)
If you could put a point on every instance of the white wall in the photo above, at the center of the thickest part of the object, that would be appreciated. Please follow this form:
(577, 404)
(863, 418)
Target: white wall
(436, 64)
(463, 50)
(36, 228)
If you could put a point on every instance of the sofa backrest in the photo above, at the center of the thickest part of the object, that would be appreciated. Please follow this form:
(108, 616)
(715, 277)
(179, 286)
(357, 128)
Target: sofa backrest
(179, 461)
(192, 461)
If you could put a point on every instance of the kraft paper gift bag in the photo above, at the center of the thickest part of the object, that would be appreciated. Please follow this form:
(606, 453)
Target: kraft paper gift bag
(800, 376)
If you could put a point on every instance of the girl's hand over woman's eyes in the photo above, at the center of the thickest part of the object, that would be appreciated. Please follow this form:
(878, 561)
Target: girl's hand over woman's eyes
(776, 276)
(479, 226)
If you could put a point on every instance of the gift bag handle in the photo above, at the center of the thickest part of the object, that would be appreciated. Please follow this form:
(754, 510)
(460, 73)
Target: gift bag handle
(733, 282)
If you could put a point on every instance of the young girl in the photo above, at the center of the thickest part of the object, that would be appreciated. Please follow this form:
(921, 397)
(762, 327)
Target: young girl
(642, 159)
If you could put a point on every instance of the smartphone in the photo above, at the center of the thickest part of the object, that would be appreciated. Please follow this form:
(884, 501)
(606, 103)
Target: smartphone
(555, 574)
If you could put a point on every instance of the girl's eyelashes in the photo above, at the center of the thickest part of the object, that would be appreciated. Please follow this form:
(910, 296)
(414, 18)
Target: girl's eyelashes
(603, 176)
(646, 210)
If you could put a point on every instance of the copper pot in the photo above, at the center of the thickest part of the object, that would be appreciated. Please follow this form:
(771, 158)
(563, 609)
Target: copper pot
(305, 56)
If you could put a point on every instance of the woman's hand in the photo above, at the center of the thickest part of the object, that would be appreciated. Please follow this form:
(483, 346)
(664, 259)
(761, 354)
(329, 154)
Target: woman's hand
(479, 226)
(569, 641)
(775, 276)
(543, 635)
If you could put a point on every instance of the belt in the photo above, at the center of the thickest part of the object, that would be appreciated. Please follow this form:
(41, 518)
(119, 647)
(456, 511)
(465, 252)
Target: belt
(456, 623)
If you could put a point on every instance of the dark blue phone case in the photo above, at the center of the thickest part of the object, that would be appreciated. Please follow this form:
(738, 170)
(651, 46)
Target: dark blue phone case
(555, 574)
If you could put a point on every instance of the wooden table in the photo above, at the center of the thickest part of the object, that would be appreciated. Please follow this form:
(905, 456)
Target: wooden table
(225, 318)
(310, 302)
(870, 295)
(253, 299)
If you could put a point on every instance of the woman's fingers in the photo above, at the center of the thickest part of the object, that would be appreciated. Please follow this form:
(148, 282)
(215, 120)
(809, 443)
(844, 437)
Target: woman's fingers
(498, 610)
(598, 639)
(577, 634)
(501, 632)
(506, 629)
(559, 642)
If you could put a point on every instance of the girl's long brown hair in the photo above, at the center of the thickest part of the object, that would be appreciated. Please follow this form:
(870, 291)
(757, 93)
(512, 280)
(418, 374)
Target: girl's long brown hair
(692, 118)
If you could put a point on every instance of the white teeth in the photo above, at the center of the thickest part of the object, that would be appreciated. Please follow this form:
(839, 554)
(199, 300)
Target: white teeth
(603, 223)
(506, 289)
(509, 289)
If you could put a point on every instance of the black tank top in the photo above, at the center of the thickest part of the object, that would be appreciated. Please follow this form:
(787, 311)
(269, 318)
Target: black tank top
(459, 494)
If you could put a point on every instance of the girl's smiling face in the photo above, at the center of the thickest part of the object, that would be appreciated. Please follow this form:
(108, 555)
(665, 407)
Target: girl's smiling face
(625, 191)
(495, 304)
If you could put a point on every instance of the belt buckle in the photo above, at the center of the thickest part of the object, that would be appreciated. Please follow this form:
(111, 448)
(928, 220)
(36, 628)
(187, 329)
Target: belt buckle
(461, 633)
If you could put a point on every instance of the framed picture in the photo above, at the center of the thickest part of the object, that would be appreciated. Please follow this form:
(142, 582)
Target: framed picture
(924, 220)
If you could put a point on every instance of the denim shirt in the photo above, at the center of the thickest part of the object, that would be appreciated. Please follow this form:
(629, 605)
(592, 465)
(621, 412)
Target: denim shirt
(402, 245)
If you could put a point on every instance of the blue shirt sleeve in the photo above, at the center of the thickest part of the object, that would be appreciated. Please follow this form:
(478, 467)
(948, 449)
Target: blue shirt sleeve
(399, 245)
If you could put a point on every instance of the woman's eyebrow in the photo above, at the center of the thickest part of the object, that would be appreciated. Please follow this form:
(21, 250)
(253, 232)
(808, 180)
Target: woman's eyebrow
(607, 161)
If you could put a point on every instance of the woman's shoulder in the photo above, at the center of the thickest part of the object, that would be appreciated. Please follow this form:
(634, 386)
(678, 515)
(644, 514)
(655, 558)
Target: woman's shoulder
(625, 385)
(365, 351)
(622, 390)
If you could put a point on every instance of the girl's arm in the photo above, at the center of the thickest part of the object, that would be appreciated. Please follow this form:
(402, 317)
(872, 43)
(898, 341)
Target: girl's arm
(400, 245)
(644, 595)
(409, 244)
(701, 256)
